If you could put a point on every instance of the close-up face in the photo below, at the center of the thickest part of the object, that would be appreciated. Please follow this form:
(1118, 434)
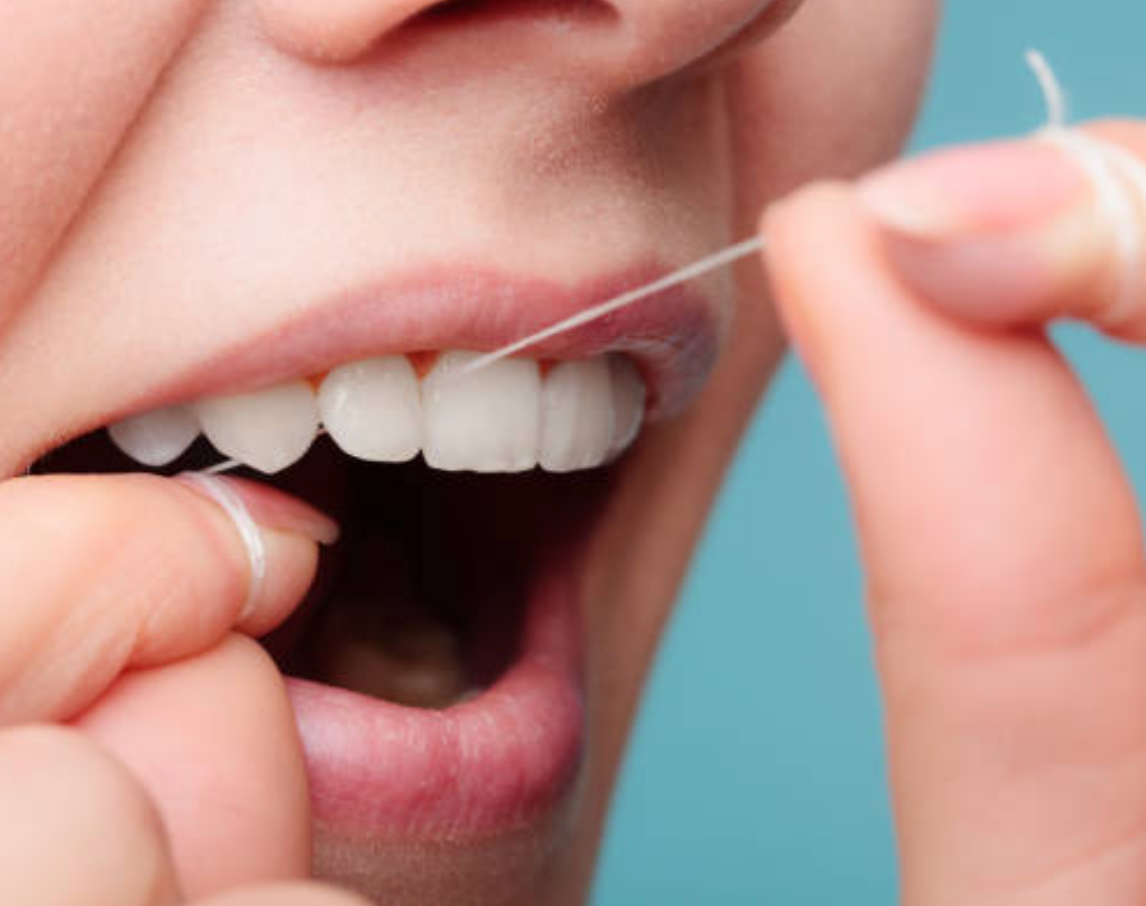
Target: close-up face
(269, 231)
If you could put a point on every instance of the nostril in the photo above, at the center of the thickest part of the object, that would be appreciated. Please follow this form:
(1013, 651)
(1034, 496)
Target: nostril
(586, 11)
(340, 31)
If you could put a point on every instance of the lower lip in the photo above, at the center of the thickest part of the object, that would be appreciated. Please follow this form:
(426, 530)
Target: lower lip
(494, 764)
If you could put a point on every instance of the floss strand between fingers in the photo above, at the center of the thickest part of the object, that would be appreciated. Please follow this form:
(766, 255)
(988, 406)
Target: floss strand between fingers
(1117, 177)
(218, 490)
(1110, 168)
(714, 262)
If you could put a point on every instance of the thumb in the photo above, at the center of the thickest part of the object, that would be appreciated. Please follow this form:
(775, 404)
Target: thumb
(1019, 233)
(213, 740)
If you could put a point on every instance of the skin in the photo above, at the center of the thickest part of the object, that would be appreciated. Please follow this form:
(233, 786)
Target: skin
(146, 225)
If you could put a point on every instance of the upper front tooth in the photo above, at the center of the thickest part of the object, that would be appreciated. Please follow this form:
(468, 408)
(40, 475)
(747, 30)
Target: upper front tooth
(373, 409)
(156, 438)
(267, 430)
(628, 402)
(576, 416)
(488, 421)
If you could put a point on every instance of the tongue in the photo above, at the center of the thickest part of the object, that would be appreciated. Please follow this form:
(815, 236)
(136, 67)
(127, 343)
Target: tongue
(407, 659)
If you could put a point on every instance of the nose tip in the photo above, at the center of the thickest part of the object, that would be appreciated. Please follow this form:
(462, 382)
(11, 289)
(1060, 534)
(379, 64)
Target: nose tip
(335, 31)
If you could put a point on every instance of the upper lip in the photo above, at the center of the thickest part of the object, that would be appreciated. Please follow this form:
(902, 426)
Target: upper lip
(673, 337)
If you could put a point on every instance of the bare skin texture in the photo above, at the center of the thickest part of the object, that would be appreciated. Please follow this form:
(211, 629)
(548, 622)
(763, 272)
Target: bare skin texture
(179, 176)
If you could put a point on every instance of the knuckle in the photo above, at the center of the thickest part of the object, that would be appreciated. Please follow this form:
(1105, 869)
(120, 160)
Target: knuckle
(83, 517)
(66, 792)
(977, 622)
(100, 791)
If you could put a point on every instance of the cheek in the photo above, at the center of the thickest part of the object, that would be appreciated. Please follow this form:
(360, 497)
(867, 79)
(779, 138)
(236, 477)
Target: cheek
(72, 77)
(841, 83)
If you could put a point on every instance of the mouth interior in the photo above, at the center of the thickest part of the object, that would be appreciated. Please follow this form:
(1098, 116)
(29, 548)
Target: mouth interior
(423, 600)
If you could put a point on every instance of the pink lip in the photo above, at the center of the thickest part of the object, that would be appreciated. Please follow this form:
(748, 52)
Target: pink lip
(491, 765)
(672, 337)
(510, 756)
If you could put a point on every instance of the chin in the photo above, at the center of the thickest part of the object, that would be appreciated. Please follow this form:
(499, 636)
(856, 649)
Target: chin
(466, 668)
(462, 671)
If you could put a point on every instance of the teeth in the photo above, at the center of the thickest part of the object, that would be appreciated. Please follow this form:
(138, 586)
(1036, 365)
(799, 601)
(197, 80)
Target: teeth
(373, 410)
(268, 430)
(485, 422)
(156, 438)
(628, 403)
(576, 416)
(505, 418)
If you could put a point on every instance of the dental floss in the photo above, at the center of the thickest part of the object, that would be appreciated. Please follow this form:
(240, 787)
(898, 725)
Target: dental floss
(1051, 87)
(713, 262)
(1111, 169)
(1117, 177)
(225, 466)
(229, 465)
(222, 493)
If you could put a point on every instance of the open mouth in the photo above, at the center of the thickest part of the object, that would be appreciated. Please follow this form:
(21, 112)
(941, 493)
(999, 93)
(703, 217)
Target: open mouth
(435, 665)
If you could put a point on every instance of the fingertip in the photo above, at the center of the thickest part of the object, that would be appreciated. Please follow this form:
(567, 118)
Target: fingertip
(280, 536)
(806, 241)
(126, 572)
(1017, 233)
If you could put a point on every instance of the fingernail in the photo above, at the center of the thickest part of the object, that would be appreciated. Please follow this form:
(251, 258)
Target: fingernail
(974, 191)
(269, 507)
(254, 507)
(992, 232)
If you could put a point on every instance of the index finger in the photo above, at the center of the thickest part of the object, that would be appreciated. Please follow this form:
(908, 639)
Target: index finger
(1006, 577)
(101, 574)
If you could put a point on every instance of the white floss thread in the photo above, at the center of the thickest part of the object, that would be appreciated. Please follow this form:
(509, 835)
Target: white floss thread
(713, 262)
(1115, 173)
(222, 493)
(229, 465)
(1117, 177)
(1112, 169)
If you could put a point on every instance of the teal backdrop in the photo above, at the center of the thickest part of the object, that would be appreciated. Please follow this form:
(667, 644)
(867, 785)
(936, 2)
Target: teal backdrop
(756, 775)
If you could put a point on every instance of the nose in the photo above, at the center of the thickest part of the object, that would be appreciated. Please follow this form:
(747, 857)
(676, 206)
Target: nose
(335, 31)
(615, 42)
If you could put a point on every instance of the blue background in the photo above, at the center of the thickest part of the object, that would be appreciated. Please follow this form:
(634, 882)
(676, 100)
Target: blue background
(757, 772)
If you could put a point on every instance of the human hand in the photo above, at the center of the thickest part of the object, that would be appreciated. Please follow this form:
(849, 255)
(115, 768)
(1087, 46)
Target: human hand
(77, 828)
(148, 749)
(1001, 540)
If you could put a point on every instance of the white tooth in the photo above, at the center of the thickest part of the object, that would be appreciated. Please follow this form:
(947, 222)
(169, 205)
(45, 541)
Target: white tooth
(628, 403)
(489, 421)
(576, 416)
(156, 438)
(267, 430)
(373, 409)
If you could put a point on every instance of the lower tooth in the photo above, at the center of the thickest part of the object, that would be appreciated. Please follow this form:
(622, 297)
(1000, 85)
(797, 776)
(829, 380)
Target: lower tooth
(268, 430)
(156, 438)
(488, 421)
